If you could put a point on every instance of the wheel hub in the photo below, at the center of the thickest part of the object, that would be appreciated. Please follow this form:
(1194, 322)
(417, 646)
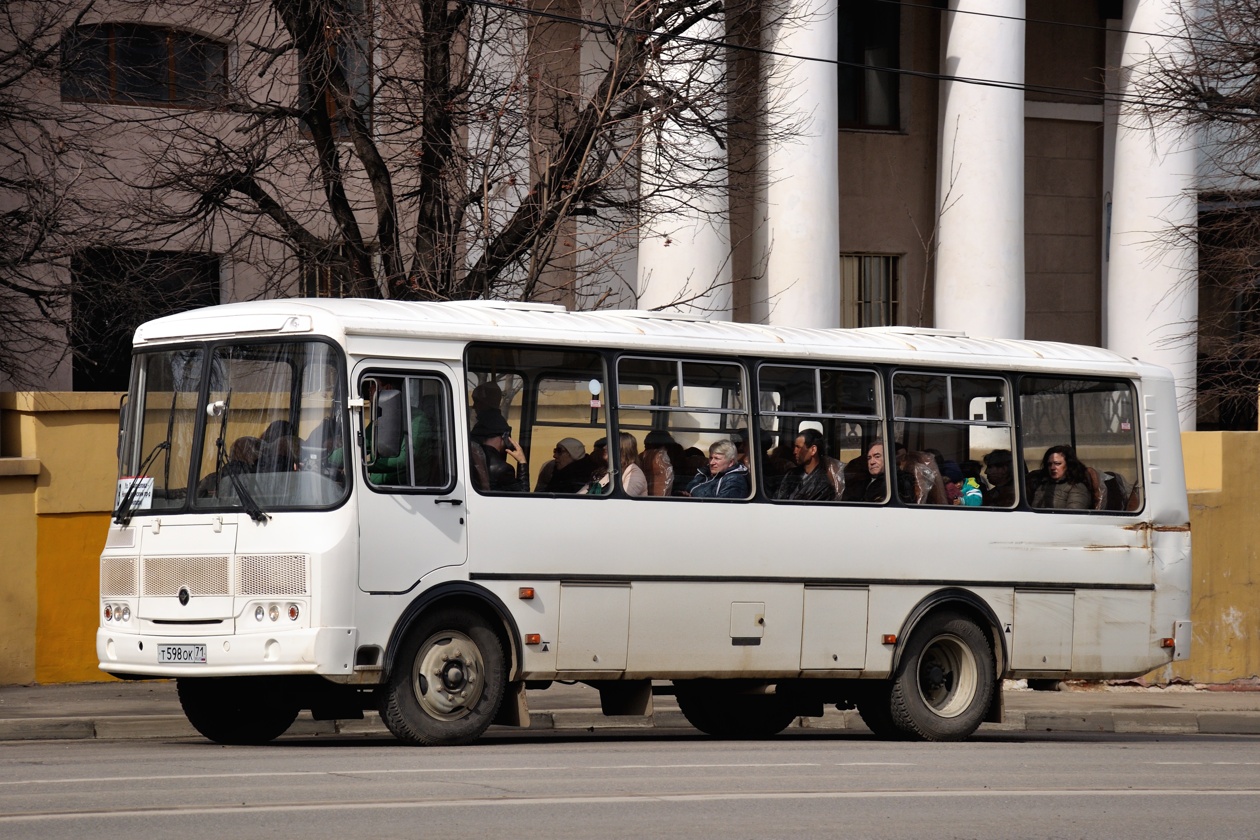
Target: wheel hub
(446, 676)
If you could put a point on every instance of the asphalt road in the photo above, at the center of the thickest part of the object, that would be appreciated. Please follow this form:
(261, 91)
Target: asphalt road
(639, 785)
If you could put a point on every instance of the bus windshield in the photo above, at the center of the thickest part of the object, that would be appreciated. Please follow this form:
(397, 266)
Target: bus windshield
(250, 427)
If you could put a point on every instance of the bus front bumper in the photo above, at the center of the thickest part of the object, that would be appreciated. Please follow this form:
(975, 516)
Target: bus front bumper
(324, 651)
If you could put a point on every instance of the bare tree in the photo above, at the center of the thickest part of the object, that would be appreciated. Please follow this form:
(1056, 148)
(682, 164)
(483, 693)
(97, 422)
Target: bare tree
(409, 149)
(1211, 82)
(426, 149)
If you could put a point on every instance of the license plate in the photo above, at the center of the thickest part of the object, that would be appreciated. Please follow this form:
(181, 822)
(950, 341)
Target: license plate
(182, 654)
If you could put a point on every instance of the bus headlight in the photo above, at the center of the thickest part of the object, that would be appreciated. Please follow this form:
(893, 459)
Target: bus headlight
(259, 612)
(293, 612)
(109, 612)
(126, 612)
(274, 612)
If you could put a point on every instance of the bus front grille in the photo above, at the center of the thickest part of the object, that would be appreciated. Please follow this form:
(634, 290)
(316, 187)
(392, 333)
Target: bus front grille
(271, 574)
(118, 577)
(200, 575)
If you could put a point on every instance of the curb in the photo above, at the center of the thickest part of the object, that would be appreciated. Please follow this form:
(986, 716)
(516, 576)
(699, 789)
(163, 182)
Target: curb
(169, 727)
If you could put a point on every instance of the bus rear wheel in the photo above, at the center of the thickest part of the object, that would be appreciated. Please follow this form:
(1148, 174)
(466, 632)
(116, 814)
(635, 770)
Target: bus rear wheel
(725, 712)
(945, 680)
(874, 706)
(237, 711)
(448, 680)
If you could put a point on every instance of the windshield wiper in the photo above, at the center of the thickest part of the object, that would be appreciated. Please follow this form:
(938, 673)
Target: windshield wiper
(123, 514)
(250, 506)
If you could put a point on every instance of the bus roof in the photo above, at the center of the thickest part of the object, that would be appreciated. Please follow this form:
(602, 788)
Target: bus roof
(536, 323)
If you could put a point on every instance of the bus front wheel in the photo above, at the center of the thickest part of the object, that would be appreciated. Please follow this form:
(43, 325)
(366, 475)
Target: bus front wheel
(945, 680)
(448, 680)
(235, 710)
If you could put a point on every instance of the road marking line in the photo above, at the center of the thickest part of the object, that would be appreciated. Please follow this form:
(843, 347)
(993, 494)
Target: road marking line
(132, 813)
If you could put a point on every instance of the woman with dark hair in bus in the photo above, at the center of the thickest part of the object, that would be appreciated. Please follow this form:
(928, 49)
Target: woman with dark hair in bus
(1062, 483)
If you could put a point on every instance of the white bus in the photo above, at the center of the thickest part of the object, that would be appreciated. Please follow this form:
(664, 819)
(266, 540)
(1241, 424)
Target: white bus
(320, 507)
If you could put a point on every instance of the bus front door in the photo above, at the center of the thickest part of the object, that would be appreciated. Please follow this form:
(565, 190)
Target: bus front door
(412, 502)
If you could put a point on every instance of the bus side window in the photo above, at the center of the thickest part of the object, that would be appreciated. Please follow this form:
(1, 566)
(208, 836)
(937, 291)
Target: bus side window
(420, 459)
(819, 426)
(679, 409)
(951, 423)
(1079, 444)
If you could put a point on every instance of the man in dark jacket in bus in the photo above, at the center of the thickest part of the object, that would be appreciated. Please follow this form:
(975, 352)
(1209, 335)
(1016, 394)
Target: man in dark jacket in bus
(809, 481)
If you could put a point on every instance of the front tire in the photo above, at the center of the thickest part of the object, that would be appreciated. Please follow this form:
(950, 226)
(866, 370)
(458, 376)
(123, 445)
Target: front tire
(235, 710)
(447, 682)
(945, 680)
(724, 712)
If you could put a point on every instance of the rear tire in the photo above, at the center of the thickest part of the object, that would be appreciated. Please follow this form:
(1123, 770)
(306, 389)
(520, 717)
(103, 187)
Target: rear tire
(235, 710)
(945, 680)
(723, 712)
(447, 681)
(875, 708)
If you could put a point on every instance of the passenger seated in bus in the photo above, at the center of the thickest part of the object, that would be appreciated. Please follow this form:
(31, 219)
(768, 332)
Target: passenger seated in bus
(489, 447)
(658, 464)
(725, 478)
(1062, 483)
(282, 453)
(569, 469)
(601, 480)
(810, 480)
(952, 479)
(242, 459)
(633, 481)
(1001, 477)
(973, 486)
(925, 484)
(872, 486)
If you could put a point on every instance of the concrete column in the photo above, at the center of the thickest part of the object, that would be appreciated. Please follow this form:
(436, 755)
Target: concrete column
(684, 255)
(798, 235)
(980, 177)
(1152, 282)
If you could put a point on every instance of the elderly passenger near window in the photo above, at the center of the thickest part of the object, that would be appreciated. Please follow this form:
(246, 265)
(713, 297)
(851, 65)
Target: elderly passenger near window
(809, 481)
(1062, 483)
(726, 477)
(569, 470)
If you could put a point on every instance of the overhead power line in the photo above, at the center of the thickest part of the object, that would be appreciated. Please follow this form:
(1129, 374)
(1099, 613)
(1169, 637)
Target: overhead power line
(1094, 96)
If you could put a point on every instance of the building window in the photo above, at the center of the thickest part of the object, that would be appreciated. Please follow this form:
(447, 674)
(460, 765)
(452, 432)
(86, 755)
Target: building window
(870, 53)
(870, 290)
(116, 290)
(349, 55)
(135, 64)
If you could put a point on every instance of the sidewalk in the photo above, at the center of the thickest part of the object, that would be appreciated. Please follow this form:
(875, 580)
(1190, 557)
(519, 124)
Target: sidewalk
(130, 710)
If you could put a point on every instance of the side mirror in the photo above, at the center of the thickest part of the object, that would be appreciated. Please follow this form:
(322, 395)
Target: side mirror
(387, 424)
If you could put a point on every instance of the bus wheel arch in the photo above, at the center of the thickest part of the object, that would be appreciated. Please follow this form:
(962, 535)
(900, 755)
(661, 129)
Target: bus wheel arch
(462, 596)
(966, 603)
(946, 677)
(448, 668)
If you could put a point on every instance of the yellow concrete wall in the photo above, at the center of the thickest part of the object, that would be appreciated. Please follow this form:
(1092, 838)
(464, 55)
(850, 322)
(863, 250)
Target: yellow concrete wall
(57, 473)
(1223, 478)
(18, 592)
(57, 478)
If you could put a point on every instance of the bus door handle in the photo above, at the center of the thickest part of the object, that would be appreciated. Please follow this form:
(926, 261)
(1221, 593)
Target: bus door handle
(452, 502)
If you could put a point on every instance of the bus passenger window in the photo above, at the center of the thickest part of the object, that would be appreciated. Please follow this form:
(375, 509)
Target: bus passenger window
(950, 426)
(1079, 444)
(819, 427)
(535, 417)
(690, 416)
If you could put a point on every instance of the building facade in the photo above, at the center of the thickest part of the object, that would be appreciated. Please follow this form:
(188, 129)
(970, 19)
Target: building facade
(970, 165)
